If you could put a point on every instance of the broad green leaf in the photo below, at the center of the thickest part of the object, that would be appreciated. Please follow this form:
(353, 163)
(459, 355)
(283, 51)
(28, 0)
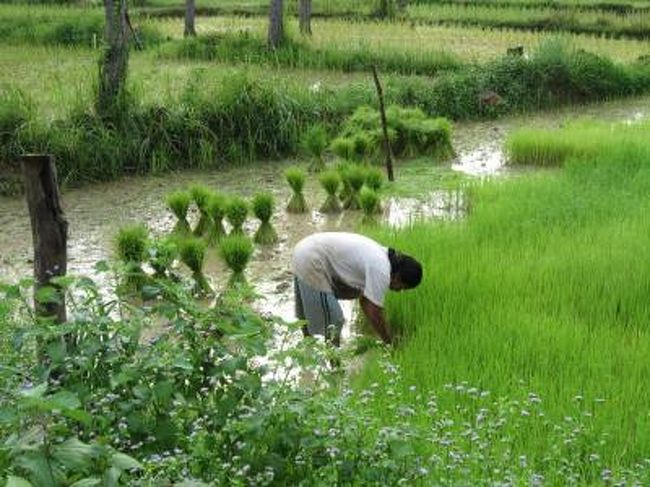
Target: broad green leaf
(191, 483)
(37, 465)
(18, 482)
(124, 462)
(65, 400)
(78, 415)
(112, 477)
(74, 454)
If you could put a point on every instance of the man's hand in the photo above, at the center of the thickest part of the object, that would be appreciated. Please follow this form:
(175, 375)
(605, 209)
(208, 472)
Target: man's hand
(375, 315)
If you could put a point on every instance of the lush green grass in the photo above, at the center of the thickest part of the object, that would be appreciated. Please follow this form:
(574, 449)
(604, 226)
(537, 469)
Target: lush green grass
(542, 291)
(584, 140)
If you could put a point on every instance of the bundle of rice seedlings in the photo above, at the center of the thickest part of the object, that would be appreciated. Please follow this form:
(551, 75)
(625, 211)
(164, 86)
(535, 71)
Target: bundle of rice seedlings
(355, 176)
(374, 178)
(263, 208)
(217, 210)
(236, 251)
(162, 254)
(315, 142)
(192, 253)
(331, 180)
(341, 168)
(296, 179)
(201, 196)
(369, 200)
(179, 203)
(132, 244)
(236, 213)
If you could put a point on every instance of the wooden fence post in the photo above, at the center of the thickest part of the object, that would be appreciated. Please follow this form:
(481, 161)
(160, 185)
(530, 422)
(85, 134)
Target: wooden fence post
(49, 230)
(384, 125)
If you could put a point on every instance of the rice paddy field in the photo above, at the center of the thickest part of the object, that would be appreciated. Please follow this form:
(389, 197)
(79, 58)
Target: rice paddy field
(523, 187)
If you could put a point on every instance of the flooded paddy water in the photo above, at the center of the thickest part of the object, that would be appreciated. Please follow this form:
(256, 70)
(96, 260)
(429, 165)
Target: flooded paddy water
(96, 212)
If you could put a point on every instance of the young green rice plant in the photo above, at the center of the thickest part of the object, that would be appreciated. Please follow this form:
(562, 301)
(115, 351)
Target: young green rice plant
(236, 251)
(217, 210)
(263, 204)
(369, 200)
(179, 203)
(162, 254)
(341, 168)
(331, 180)
(296, 178)
(374, 178)
(201, 196)
(192, 253)
(236, 213)
(132, 244)
(355, 175)
(315, 142)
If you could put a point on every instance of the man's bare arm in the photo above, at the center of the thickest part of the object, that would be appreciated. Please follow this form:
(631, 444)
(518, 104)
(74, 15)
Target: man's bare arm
(375, 315)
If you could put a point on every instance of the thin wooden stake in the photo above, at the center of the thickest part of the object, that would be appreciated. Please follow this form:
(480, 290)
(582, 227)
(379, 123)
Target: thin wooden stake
(49, 231)
(384, 125)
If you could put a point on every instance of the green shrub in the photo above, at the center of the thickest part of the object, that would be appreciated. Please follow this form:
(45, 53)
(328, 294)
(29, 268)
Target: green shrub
(192, 253)
(263, 209)
(331, 180)
(179, 203)
(236, 251)
(236, 213)
(296, 178)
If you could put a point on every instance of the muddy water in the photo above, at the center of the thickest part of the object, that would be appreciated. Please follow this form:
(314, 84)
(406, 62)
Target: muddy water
(96, 212)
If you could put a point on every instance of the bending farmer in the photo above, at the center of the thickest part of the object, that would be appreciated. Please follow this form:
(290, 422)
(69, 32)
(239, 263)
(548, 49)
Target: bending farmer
(335, 265)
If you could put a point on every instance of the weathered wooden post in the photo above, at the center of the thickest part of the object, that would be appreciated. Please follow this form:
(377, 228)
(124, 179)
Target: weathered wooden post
(384, 125)
(49, 231)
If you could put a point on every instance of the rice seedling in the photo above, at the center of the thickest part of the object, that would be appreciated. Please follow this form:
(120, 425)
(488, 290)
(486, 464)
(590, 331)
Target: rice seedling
(236, 251)
(355, 175)
(374, 178)
(314, 142)
(295, 176)
(132, 245)
(217, 204)
(558, 304)
(201, 197)
(162, 254)
(342, 168)
(369, 201)
(236, 213)
(192, 254)
(179, 204)
(263, 209)
(331, 180)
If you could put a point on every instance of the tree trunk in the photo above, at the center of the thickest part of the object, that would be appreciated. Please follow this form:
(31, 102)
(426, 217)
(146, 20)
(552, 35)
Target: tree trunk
(113, 66)
(305, 17)
(190, 12)
(49, 232)
(276, 32)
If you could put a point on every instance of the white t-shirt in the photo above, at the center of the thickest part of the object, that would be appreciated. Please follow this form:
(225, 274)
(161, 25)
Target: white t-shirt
(323, 259)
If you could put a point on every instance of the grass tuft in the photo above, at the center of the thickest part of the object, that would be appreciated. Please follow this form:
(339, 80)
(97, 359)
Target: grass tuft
(179, 204)
(263, 204)
(296, 178)
(192, 253)
(236, 213)
(331, 181)
(236, 251)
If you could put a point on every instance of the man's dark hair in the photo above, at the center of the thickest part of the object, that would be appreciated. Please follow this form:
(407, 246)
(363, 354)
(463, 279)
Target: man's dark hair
(405, 267)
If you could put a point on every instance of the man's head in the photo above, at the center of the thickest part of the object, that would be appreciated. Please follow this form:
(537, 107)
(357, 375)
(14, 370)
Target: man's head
(405, 271)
